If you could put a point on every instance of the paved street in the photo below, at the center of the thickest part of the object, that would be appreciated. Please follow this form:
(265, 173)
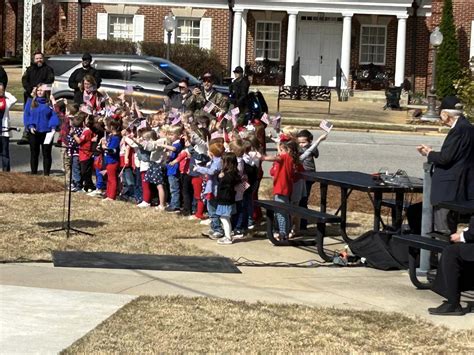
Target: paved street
(343, 150)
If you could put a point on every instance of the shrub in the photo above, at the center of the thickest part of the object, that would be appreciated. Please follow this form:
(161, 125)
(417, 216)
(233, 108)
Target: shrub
(56, 44)
(103, 46)
(465, 91)
(195, 60)
(447, 64)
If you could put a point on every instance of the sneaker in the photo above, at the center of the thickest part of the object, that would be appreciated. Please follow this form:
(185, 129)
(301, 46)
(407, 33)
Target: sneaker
(172, 210)
(82, 191)
(107, 199)
(447, 309)
(143, 204)
(160, 208)
(75, 189)
(94, 193)
(205, 222)
(192, 218)
(251, 226)
(212, 235)
(238, 234)
(224, 241)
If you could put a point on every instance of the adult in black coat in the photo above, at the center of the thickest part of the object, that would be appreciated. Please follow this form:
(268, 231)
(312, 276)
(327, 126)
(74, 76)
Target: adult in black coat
(239, 90)
(185, 99)
(453, 168)
(455, 272)
(37, 73)
(3, 77)
(78, 75)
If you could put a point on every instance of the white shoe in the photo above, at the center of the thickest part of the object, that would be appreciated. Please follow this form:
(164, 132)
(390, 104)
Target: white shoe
(205, 222)
(192, 218)
(95, 193)
(238, 235)
(107, 199)
(224, 241)
(143, 204)
(160, 208)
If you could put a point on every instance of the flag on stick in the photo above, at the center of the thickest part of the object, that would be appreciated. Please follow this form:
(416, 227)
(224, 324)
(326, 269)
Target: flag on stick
(209, 107)
(142, 125)
(264, 119)
(217, 134)
(326, 126)
(128, 90)
(276, 121)
(235, 111)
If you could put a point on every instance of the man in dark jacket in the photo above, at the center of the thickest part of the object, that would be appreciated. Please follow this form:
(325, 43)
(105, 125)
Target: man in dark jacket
(455, 272)
(185, 99)
(239, 90)
(37, 73)
(77, 75)
(453, 168)
(3, 77)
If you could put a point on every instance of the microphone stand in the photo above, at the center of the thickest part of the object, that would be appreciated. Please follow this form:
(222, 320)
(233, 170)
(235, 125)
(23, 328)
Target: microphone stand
(68, 227)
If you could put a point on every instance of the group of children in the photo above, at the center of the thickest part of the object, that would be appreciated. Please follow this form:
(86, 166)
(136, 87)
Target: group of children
(204, 165)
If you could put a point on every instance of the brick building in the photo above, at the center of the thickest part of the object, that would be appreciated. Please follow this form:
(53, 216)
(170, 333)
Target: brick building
(393, 34)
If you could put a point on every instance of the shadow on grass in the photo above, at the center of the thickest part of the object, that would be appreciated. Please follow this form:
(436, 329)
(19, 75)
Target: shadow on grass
(78, 223)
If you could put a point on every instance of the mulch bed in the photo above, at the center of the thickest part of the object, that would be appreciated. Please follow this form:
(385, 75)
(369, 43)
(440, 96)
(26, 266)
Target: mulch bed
(29, 184)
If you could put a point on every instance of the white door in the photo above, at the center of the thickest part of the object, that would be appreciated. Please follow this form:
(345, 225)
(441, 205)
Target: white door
(319, 46)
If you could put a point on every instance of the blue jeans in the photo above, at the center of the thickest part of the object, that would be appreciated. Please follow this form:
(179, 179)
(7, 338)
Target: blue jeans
(100, 182)
(174, 192)
(283, 219)
(128, 183)
(137, 189)
(5, 153)
(215, 221)
(76, 171)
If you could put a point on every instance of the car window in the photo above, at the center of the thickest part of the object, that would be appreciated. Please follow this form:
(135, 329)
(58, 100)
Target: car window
(109, 70)
(145, 73)
(177, 73)
(61, 66)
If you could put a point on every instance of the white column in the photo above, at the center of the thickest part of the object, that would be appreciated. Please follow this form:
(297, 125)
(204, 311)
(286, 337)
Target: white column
(27, 15)
(401, 44)
(346, 49)
(236, 39)
(243, 42)
(290, 46)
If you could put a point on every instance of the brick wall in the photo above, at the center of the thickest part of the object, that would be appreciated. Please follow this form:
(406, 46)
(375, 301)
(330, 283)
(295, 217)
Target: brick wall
(154, 29)
(11, 32)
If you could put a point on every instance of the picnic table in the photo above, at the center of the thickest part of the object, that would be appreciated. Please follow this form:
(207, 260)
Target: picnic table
(349, 181)
(417, 242)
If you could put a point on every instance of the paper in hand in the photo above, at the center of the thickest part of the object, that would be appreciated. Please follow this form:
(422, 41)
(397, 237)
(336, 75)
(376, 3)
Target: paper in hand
(326, 126)
(48, 139)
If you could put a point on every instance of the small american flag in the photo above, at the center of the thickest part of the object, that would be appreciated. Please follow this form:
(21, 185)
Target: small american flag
(142, 125)
(235, 111)
(86, 109)
(176, 120)
(240, 188)
(128, 89)
(217, 134)
(264, 119)
(234, 121)
(276, 121)
(209, 107)
(326, 126)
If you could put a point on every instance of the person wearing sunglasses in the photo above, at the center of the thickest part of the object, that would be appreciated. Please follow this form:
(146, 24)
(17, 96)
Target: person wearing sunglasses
(184, 99)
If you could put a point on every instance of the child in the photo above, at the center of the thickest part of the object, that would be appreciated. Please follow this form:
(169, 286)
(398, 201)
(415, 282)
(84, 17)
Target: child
(229, 178)
(184, 159)
(7, 100)
(72, 152)
(283, 171)
(85, 152)
(111, 147)
(172, 170)
(126, 164)
(309, 152)
(154, 174)
(211, 172)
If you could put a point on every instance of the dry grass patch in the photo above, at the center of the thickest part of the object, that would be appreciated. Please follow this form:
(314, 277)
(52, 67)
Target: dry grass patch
(29, 184)
(179, 324)
(117, 227)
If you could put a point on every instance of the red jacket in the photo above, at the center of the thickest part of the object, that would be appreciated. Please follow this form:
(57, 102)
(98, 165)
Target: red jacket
(283, 172)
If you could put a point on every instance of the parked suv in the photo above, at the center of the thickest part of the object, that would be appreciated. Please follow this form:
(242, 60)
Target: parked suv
(148, 76)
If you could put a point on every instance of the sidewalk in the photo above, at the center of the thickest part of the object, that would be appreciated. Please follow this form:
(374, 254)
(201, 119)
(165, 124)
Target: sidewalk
(36, 298)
